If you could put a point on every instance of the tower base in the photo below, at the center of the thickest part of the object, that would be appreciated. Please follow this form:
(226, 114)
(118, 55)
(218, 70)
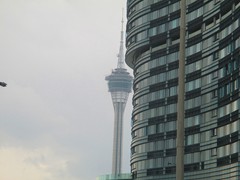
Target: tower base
(125, 176)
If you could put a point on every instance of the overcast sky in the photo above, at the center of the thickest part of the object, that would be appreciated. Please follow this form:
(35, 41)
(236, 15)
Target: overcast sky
(56, 115)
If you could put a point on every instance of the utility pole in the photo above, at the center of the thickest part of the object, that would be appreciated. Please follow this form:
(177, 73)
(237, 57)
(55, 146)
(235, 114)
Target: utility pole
(181, 95)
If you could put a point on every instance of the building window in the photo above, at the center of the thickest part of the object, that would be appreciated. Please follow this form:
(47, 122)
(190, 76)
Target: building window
(193, 85)
(214, 93)
(194, 49)
(214, 113)
(174, 23)
(195, 14)
(190, 1)
(192, 121)
(192, 139)
(173, 91)
(214, 132)
(160, 128)
(174, 7)
(172, 74)
(192, 103)
(215, 74)
(214, 152)
(216, 36)
(215, 55)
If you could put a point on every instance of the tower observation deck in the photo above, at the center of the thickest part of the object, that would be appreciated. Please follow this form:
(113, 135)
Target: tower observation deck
(119, 85)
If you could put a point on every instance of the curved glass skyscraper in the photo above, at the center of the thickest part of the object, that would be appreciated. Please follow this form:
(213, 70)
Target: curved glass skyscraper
(212, 82)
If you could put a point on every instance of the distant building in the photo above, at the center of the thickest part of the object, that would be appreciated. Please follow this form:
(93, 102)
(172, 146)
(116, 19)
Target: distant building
(119, 85)
(212, 98)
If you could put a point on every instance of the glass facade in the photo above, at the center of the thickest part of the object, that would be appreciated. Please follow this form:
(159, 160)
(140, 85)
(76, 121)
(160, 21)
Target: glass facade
(212, 83)
(123, 176)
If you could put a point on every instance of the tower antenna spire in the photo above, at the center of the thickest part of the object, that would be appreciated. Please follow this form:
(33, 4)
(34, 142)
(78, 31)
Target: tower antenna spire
(121, 49)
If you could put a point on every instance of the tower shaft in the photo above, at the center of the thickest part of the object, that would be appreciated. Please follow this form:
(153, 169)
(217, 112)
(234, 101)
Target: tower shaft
(119, 108)
(119, 100)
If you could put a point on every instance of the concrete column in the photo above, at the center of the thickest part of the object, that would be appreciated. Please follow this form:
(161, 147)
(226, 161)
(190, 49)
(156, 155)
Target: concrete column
(181, 95)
